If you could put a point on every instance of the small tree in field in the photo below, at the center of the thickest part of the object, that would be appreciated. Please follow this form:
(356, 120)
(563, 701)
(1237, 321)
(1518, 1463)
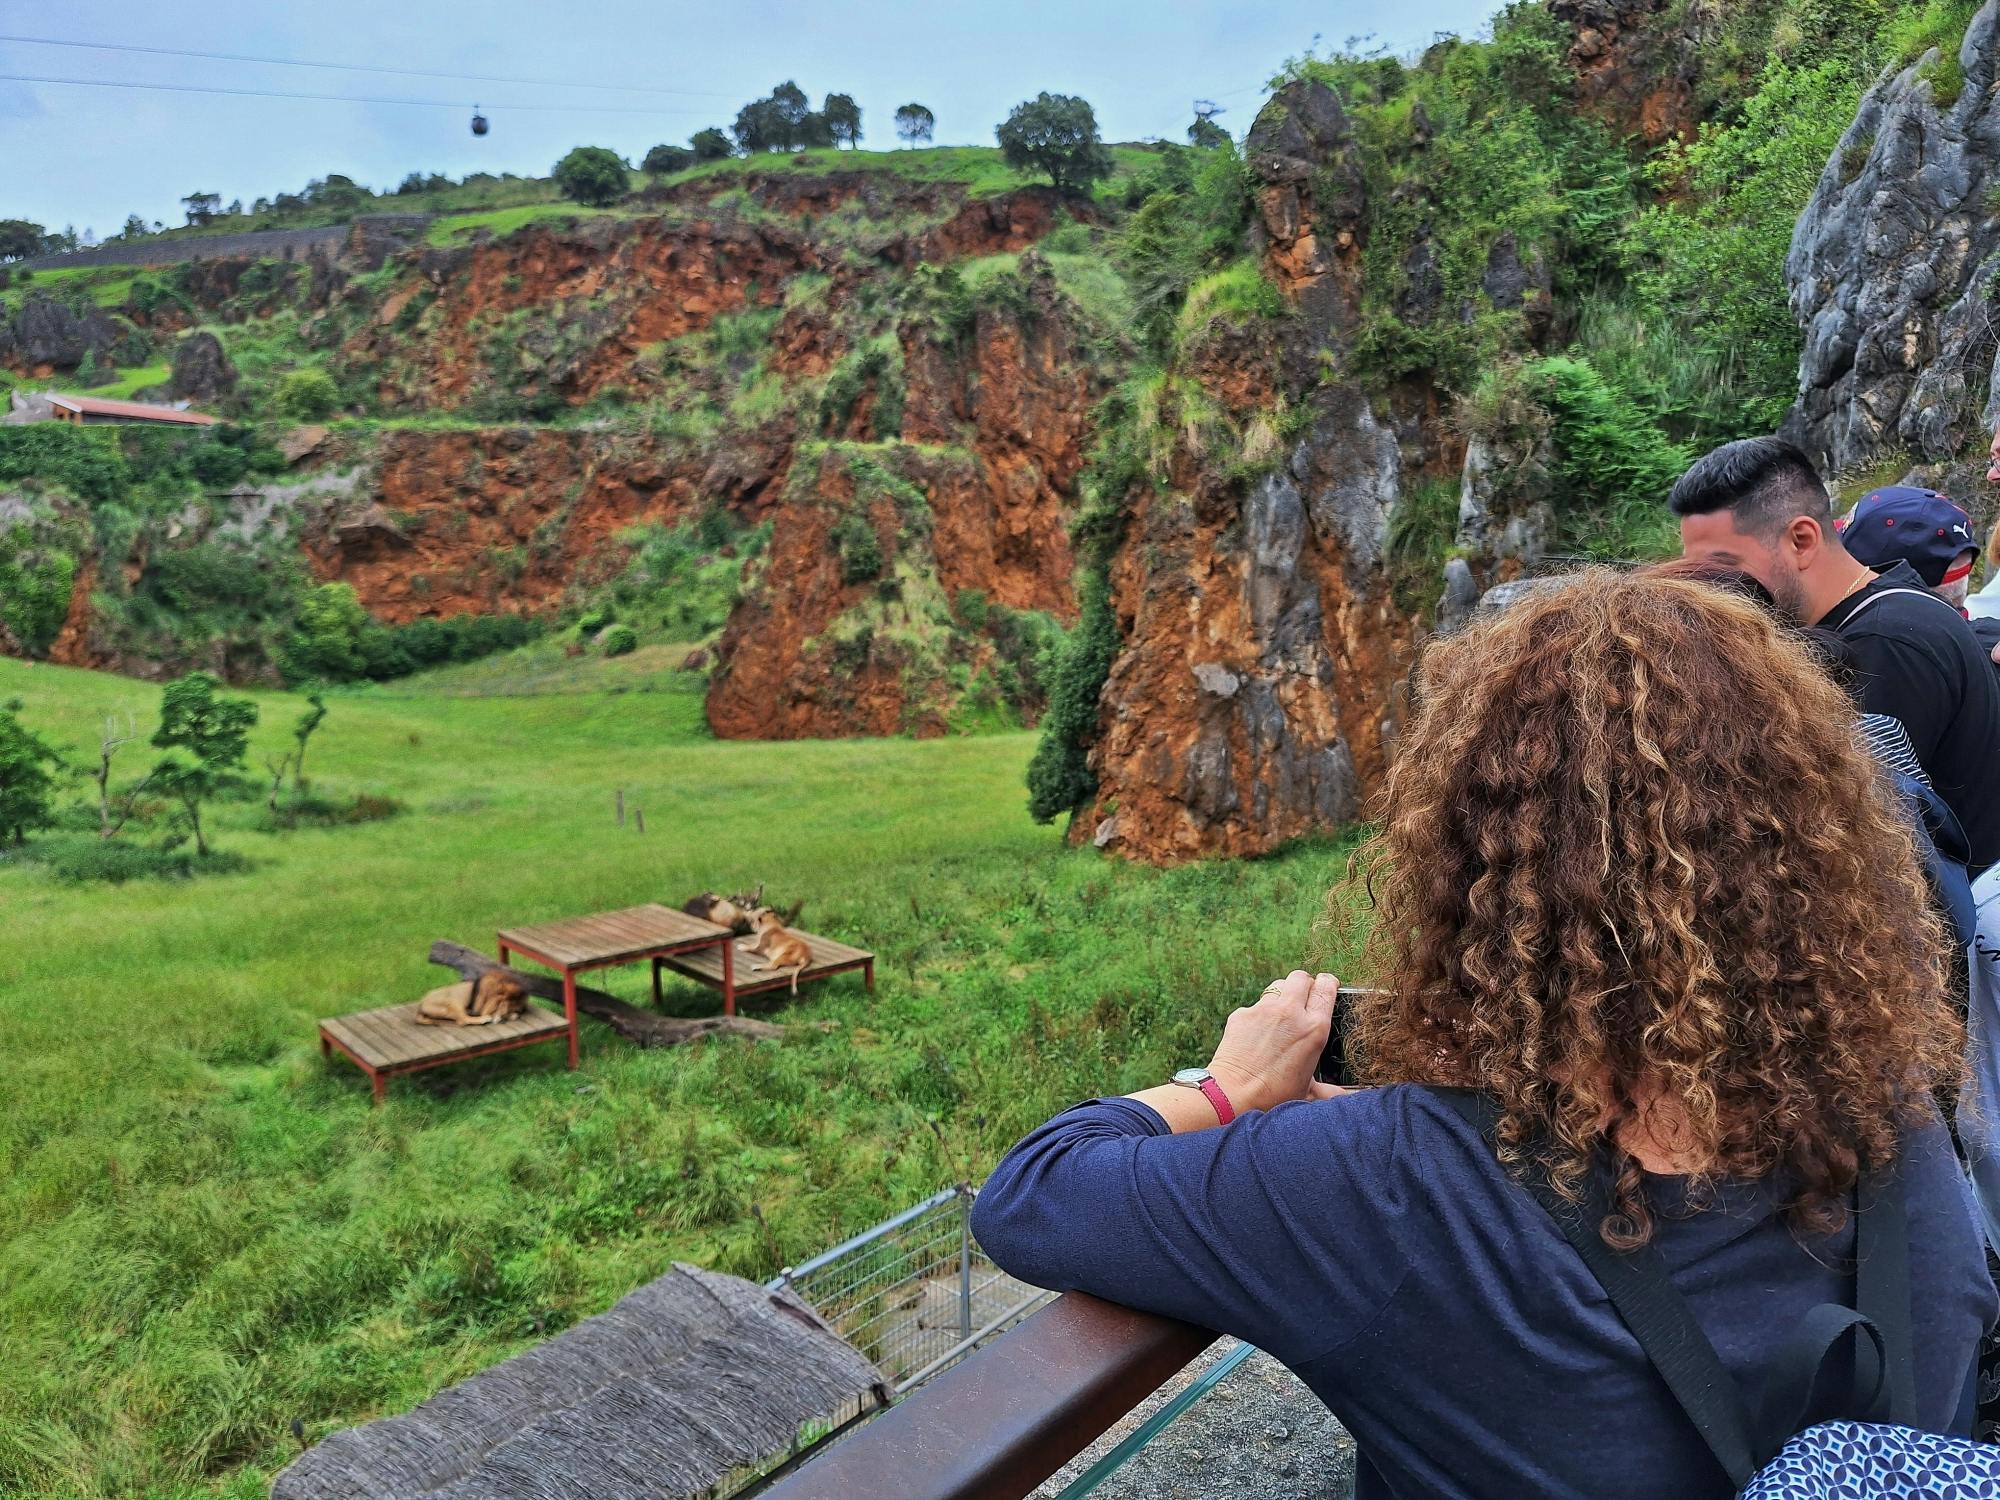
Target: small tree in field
(593, 176)
(1056, 134)
(27, 785)
(843, 119)
(310, 720)
(914, 123)
(710, 144)
(118, 733)
(213, 733)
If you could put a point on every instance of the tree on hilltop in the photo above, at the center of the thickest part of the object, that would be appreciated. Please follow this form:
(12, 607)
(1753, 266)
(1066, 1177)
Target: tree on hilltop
(663, 161)
(1056, 134)
(843, 119)
(21, 238)
(915, 123)
(593, 176)
(1205, 133)
(710, 145)
(202, 207)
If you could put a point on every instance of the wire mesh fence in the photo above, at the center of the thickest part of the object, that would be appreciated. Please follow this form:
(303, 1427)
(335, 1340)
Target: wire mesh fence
(915, 1293)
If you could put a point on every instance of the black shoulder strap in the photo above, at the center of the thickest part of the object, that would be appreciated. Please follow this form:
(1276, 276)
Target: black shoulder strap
(1658, 1318)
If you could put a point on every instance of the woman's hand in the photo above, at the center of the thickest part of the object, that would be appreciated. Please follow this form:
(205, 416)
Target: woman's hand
(1269, 1049)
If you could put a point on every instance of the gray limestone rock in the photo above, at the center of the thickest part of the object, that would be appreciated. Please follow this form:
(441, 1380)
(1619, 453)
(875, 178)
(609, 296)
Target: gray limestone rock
(202, 372)
(1892, 267)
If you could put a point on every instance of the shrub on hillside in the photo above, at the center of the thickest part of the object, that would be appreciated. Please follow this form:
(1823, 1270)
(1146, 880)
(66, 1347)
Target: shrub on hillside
(35, 584)
(307, 395)
(1059, 777)
(619, 640)
(1056, 134)
(710, 145)
(859, 549)
(1613, 465)
(592, 176)
(664, 161)
(86, 461)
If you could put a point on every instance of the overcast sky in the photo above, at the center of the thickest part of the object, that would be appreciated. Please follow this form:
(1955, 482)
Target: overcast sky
(88, 156)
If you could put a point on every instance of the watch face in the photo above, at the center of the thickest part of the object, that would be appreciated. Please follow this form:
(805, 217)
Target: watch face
(1193, 1078)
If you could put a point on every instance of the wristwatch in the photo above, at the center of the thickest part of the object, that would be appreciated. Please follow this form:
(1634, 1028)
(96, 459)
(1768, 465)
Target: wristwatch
(1201, 1078)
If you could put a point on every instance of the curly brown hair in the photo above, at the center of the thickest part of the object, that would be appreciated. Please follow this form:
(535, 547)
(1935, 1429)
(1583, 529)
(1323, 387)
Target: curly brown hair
(1631, 845)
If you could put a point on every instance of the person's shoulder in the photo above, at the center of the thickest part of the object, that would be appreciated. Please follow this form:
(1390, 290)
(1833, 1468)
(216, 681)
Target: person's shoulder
(1409, 1127)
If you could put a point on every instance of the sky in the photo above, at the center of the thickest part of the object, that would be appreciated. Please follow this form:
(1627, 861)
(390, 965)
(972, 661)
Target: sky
(88, 156)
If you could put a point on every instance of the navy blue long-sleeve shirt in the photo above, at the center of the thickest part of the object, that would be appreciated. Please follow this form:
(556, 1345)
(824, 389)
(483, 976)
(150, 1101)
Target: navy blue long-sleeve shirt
(1373, 1244)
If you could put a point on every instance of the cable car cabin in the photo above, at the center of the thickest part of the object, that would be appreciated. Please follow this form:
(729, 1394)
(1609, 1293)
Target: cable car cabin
(479, 126)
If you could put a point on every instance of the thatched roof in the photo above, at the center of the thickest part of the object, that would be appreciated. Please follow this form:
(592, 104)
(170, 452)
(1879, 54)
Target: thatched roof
(689, 1377)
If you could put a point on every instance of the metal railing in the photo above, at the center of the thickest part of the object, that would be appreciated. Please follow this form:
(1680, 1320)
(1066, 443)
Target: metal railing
(915, 1293)
(999, 1423)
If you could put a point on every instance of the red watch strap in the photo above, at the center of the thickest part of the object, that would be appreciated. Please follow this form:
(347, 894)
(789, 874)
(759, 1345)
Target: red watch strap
(1224, 1110)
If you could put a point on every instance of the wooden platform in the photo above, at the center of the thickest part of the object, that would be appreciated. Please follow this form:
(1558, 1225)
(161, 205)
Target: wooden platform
(385, 1042)
(612, 937)
(709, 967)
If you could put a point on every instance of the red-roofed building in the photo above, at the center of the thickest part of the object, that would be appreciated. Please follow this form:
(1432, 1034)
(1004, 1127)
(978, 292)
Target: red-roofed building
(92, 411)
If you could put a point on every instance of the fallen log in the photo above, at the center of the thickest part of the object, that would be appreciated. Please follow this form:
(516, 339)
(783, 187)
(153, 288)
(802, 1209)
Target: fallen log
(641, 1027)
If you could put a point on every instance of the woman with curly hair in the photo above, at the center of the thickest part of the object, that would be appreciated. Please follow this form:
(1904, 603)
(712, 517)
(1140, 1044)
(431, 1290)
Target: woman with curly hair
(1639, 886)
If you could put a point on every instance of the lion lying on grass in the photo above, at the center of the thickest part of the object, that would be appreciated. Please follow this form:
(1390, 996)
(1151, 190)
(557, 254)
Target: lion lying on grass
(493, 996)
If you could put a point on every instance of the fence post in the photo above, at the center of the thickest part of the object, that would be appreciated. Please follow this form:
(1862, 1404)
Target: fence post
(621, 807)
(964, 1263)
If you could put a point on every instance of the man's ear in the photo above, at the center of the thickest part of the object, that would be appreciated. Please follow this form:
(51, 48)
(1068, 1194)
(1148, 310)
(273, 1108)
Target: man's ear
(1803, 541)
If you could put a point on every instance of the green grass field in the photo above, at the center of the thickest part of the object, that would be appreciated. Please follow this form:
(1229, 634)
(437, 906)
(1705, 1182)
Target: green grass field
(209, 1232)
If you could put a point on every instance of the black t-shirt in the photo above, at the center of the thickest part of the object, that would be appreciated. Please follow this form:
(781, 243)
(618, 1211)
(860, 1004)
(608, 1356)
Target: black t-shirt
(1919, 662)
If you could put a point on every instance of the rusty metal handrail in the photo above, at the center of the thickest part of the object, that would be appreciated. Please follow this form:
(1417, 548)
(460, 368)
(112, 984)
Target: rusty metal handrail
(999, 1423)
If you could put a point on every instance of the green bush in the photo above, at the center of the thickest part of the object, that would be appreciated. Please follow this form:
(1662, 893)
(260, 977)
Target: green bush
(35, 585)
(86, 461)
(1059, 776)
(326, 640)
(27, 782)
(307, 395)
(859, 549)
(593, 620)
(663, 161)
(593, 176)
(84, 858)
(619, 640)
(1613, 466)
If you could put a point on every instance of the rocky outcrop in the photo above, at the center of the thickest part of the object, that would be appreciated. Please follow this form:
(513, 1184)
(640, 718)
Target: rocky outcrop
(1251, 702)
(479, 520)
(45, 336)
(202, 372)
(977, 499)
(1636, 62)
(1893, 263)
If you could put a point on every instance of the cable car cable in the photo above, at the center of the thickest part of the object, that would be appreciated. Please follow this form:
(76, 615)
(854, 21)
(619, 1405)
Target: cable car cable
(292, 62)
(193, 88)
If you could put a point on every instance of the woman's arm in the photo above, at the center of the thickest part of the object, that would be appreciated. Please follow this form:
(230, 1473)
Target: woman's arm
(1280, 1229)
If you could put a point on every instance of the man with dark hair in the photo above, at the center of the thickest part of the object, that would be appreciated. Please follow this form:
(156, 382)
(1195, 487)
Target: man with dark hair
(1759, 505)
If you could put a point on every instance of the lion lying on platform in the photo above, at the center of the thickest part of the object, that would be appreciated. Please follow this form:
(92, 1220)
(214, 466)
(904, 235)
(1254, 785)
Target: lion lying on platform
(492, 997)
